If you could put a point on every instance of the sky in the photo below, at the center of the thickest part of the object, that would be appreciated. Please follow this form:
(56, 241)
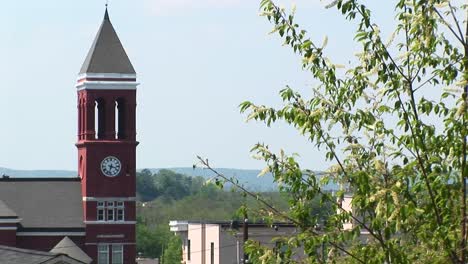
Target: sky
(196, 61)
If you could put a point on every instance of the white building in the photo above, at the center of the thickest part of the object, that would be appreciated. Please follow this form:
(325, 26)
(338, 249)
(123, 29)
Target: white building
(222, 242)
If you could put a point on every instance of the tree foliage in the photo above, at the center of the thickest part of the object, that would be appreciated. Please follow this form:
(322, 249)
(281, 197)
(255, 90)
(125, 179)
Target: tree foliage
(197, 201)
(395, 126)
(168, 184)
(151, 239)
(173, 253)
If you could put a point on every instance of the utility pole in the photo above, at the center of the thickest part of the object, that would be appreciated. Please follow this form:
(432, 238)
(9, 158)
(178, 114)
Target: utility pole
(246, 236)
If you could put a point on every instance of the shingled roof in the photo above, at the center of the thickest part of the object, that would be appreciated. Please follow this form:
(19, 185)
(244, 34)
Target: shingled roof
(67, 247)
(6, 212)
(11, 255)
(43, 202)
(107, 54)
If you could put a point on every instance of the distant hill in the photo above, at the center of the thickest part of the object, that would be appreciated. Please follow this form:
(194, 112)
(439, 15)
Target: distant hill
(249, 178)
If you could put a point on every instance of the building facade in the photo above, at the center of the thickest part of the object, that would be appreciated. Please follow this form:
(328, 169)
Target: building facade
(96, 210)
(221, 242)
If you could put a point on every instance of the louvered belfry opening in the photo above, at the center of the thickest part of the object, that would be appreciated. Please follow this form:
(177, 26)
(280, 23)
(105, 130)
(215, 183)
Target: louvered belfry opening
(100, 118)
(121, 119)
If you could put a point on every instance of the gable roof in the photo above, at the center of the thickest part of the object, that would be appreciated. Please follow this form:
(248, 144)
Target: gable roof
(44, 202)
(107, 54)
(11, 255)
(6, 212)
(67, 247)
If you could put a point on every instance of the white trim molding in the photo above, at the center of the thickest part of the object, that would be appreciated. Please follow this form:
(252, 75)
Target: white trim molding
(110, 222)
(111, 199)
(107, 243)
(107, 75)
(50, 233)
(10, 220)
(111, 236)
(8, 228)
(106, 85)
(178, 226)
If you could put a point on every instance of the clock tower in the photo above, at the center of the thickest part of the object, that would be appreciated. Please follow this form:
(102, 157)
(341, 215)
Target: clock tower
(106, 145)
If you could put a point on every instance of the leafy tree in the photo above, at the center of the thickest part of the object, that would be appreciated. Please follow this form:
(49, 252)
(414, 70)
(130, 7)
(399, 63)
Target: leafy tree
(151, 239)
(172, 185)
(205, 202)
(401, 152)
(166, 183)
(146, 190)
(173, 252)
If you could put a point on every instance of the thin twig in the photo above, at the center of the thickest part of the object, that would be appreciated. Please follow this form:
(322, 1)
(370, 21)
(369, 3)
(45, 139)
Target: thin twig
(271, 207)
(449, 27)
(456, 21)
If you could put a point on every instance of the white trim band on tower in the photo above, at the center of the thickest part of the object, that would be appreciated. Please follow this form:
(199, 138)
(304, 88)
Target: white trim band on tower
(110, 222)
(111, 236)
(106, 85)
(116, 199)
(108, 243)
(107, 75)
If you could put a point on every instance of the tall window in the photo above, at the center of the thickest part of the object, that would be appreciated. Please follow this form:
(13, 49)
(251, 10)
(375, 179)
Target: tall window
(100, 211)
(110, 211)
(103, 254)
(80, 167)
(188, 249)
(120, 211)
(80, 118)
(117, 254)
(99, 118)
(120, 118)
(212, 252)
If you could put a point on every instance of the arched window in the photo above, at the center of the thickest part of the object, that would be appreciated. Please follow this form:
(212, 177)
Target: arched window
(120, 119)
(80, 167)
(80, 118)
(99, 118)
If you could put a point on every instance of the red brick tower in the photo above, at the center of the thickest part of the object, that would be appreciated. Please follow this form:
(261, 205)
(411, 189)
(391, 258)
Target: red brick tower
(106, 148)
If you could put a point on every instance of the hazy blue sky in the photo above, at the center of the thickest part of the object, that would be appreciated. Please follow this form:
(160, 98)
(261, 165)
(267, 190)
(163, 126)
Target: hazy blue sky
(196, 61)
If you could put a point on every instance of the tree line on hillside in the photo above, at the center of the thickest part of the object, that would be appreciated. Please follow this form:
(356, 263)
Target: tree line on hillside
(167, 184)
(167, 195)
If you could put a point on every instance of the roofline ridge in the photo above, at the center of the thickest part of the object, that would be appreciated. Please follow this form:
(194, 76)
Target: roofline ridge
(39, 179)
(31, 251)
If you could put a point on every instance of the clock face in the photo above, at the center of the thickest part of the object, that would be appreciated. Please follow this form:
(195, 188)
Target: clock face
(110, 166)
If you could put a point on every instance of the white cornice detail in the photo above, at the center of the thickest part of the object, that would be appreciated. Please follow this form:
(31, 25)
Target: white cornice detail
(111, 236)
(106, 85)
(111, 199)
(110, 222)
(50, 233)
(106, 75)
(10, 220)
(8, 228)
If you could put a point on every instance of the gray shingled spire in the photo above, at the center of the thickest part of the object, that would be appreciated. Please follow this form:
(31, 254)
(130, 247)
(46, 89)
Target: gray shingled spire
(107, 54)
(68, 247)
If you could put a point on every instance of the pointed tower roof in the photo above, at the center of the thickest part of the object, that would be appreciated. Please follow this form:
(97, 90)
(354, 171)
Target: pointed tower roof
(107, 54)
